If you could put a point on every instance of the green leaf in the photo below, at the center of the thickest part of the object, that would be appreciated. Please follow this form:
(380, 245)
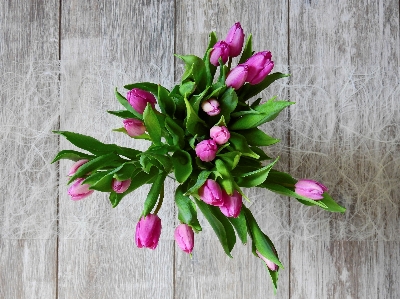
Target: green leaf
(187, 88)
(123, 114)
(186, 209)
(182, 162)
(210, 69)
(256, 137)
(247, 51)
(197, 99)
(281, 178)
(165, 101)
(231, 159)
(255, 178)
(228, 103)
(176, 132)
(194, 124)
(240, 225)
(332, 206)
(195, 69)
(240, 144)
(260, 152)
(95, 177)
(143, 136)
(227, 181)
(148, 86)
(71, 155)
(201, 179)
(124, 102)
(153, 194)
(152, 125)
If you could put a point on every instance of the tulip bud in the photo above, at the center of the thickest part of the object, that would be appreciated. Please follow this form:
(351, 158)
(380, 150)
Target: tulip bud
(220, 135)
(309, 188)
(78, 191)
(138, 98)
(220, 50)
(260, 65)
(235, 40)
(184, 237)
(271, 265)
(232, 204)
(120, 186)
(148, 231)
(134, 127)
(76, 165)
(206, 150)
(237, 76)
(211, 193)
(211, 107)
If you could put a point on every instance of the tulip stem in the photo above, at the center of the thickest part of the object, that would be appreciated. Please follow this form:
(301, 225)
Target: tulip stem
(229, 63)
(160, 200)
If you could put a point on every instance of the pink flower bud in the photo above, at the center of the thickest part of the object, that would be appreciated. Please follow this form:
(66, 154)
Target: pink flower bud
(120, 186)
(271, 265)
(148, 231)
(237, 76)
(138, 98)
(211, 107)
(76, 165)
(235, 40)
(211, 193)
(206, 150)
(260, 65)
(220, 50)
(232, 204)
(78, 191)
(220, 135)
(184, 237)
(134, 127)
(309, 188)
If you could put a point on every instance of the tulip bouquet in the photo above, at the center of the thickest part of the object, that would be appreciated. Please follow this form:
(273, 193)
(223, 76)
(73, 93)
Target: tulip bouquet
(204, 133)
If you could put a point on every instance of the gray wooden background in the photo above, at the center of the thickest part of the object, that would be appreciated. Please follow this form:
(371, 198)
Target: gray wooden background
(59, 63)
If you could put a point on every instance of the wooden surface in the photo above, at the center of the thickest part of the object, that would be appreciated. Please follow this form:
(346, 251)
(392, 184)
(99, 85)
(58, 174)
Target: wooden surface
(59, 63)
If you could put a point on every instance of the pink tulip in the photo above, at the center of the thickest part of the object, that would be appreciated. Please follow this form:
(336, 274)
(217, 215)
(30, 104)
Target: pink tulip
(309, 188)
(219, 134)
(134, 127)
(120, 186)
(138, 98)
(184, 237)
(232, 204)
(211, 193)
(237, 76)
(211, 107)
(260, 65)
(271, 265)
(220, 50)
(148, 231)
(235, 40)
(206, 150)
(76, 165)
(78, 191)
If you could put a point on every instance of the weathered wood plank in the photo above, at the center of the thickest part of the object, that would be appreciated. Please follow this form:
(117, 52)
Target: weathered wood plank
(107, 44)
(28, 185)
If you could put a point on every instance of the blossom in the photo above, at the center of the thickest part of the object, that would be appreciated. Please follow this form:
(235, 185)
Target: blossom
(134, 127)
(271, 265)
(138, 98)
(232, 204)
(211, 107)
(235, 39)
(219, 134)
(184, 237)
(120, 186)
(237, 76)
(206, 150)
(148, 231)
(220, 50)
(211, 193)
(78, 190)
(76, 165)
(260, 65)
(309, 188)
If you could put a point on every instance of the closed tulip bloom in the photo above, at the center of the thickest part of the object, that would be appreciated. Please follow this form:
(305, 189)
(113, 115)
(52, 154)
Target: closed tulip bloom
(237, 76)
(219, 134)
(271, 265)
(220, 50)
(76, 165)
(310, 189)
(120, 186)
(232, 204)
(134, 127)
(78, 191)
(260, 65)
(235, 40)
(138, 98)
(206, 150)
(211, 107)
(211, 193)
(184, 237)
(148, 231)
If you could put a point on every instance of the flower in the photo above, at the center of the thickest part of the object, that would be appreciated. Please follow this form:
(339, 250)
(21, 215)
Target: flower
(138, 98)
(232, 204)
(148, 231)
(78, 191)
(134, 127)
(237, 76)
(260, 65)
(184, 237)
(220, 50)
(206, 150)
(309, 188)
(271, 265)
(211, 107)
(219, 134)
(76, 165)
(211, 193)
(120, 186)
(235, 39)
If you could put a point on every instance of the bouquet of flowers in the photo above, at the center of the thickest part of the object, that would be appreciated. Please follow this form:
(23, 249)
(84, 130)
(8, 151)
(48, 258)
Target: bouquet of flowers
(204, 132)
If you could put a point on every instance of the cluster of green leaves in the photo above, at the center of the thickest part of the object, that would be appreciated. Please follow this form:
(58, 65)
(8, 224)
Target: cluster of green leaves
(173, 133)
